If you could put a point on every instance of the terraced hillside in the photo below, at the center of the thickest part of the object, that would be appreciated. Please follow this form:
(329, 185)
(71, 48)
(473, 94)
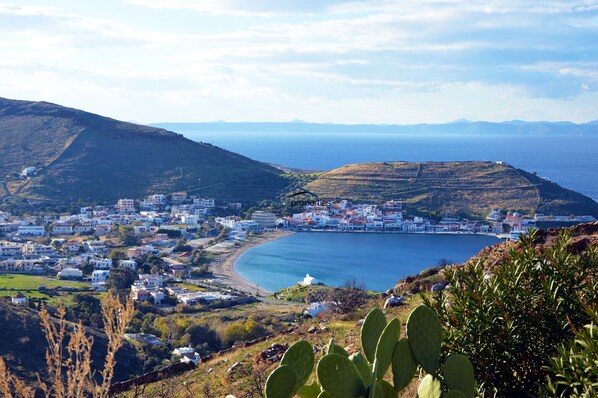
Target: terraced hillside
(471, 188)
(81, 156)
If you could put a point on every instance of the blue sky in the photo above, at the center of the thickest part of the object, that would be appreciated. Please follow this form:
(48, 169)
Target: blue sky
(315, 60)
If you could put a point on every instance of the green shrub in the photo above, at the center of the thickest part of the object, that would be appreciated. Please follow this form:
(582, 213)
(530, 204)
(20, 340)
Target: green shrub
(509, 323)
(340, 375)
(573, 372)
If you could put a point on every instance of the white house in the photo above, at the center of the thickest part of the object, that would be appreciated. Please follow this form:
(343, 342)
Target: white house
(19, 299)
(70, 273)
(100, 263)
(128, 263)
(187, 354)
(98, 279)
(96, 247)
(31, 230)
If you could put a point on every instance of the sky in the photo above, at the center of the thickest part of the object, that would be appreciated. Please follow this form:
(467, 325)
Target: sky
(376, 61)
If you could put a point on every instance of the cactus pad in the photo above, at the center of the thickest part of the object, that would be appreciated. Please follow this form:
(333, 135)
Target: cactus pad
(403, 365)
(300, 357)
(338, 376)
(386, 345)
(372, 328)
(458, 375)
(424, 336)
(429, 388)
(363, 367)
(281, 383)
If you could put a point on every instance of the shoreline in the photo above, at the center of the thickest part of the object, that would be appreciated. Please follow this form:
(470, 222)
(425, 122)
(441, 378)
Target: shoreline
(223, 269)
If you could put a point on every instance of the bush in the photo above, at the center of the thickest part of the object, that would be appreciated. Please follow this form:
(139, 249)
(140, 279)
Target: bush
(574, 371)
(509, 323)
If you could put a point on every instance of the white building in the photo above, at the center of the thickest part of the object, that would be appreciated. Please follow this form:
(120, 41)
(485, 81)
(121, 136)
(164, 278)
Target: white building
(100, 263)
(32, 230)
(189, 219)
(10, 250)
(19, 299)
(187, 354)
(126, 205)
(309, 281)
(128, 263)
(96, 247)
(98, 279)
(202, 202)
(70, 273)
(264, 219)
(178, 197)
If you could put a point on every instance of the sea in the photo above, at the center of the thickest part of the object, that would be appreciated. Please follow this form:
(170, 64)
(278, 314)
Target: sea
(378, 260)
(571, 161)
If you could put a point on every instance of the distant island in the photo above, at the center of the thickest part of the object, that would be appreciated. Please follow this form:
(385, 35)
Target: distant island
(463, 127)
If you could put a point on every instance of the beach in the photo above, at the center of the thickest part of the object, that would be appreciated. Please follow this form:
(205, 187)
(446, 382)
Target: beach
(223, 268)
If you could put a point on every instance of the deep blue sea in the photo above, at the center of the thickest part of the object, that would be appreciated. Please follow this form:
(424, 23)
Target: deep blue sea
(571, 161)
(378, 260)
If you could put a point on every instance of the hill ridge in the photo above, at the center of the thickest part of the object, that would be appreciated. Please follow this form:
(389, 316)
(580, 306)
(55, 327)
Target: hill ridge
(81, 156)
(471, 188)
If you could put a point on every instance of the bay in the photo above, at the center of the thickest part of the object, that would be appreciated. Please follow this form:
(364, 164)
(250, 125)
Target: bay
(378, 260)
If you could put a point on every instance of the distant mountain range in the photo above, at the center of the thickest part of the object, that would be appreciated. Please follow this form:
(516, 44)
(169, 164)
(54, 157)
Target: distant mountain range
(461, 126)
(80, 156)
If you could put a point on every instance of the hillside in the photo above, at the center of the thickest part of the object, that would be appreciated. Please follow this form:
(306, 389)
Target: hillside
(23, 345)
(86, 157)
(471, 188)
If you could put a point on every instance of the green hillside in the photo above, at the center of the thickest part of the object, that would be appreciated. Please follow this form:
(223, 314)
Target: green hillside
(471, 188)
(80, 156)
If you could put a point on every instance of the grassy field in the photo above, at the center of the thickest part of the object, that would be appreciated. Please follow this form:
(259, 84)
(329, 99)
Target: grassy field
(28, 285)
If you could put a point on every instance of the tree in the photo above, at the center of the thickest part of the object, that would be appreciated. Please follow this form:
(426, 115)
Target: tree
(127, 235)
(87, 309)
(120, 278)
(347, 298)
(116, 256)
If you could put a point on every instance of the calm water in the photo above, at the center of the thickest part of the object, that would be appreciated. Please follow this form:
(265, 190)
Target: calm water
(570, 161)
(378, 260)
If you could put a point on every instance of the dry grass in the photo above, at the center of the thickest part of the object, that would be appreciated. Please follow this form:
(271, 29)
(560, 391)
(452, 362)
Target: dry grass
(70, 373)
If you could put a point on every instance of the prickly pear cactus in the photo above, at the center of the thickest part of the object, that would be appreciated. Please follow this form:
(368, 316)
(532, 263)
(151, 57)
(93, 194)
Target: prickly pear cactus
(424, 336)
(458, 375)
(363, 367)
(300, 357)
(385, 347)
(372, 328)
(338, 377)
(342, 376)
(281, 383)
(403, 365)
(429, 387)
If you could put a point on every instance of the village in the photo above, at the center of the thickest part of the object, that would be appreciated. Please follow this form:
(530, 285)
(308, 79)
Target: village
(180, 232)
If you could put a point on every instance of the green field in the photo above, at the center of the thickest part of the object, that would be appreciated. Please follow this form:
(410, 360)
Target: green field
(28, 285)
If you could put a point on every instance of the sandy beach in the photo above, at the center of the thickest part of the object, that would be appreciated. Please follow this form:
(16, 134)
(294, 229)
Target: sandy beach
(223, 267)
